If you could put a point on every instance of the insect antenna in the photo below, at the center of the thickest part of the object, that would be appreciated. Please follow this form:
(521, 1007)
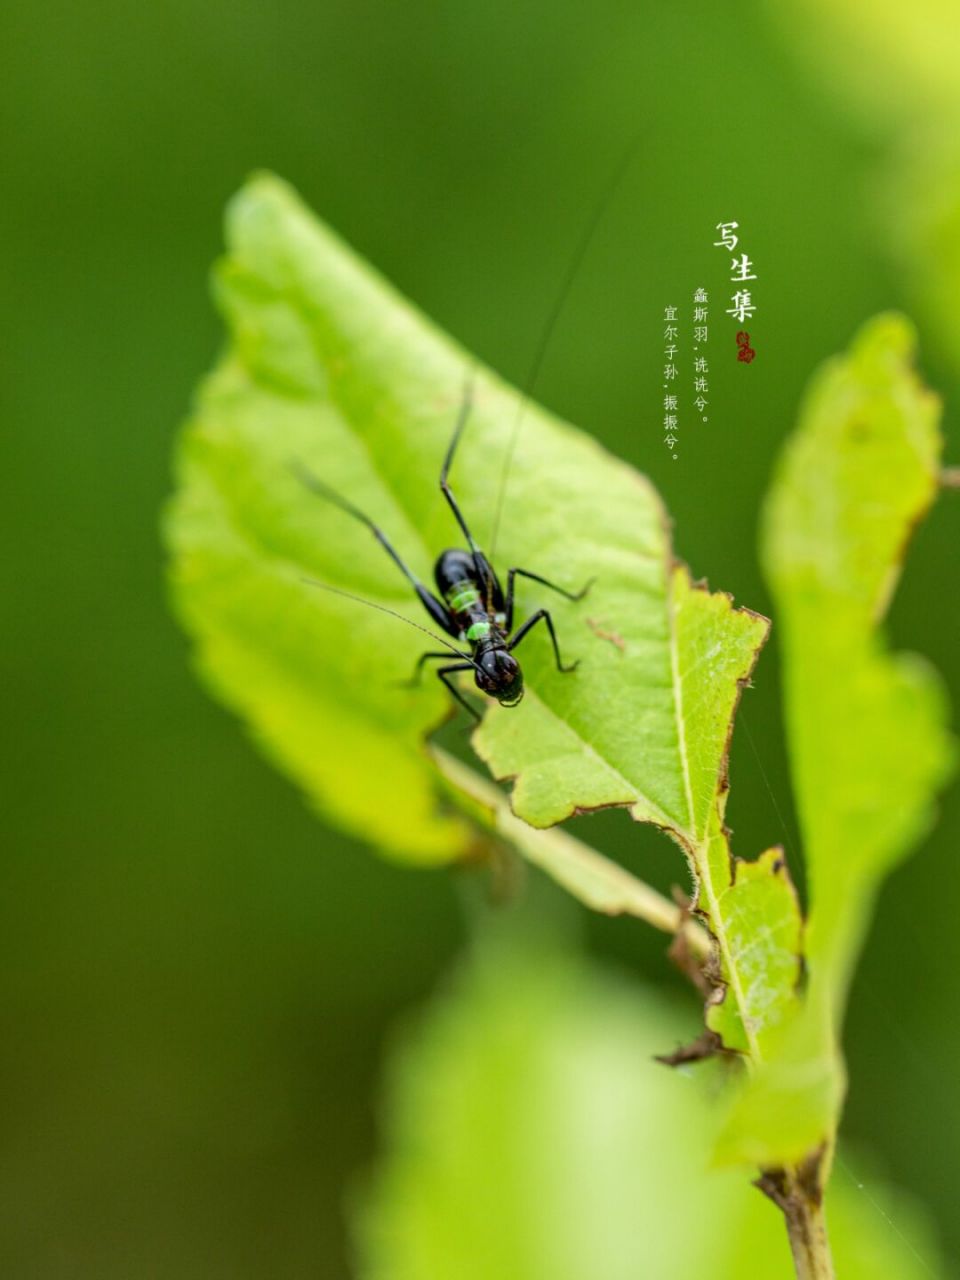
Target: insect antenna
(371, 604)
(590, 227)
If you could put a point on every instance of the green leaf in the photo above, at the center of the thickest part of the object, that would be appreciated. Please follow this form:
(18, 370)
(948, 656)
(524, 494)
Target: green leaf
(328, 365)
(529, 1134)
(761, 932)
(868, 737)
(653, 732)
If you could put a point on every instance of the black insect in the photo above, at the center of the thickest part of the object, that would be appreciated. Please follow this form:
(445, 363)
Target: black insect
(473, 608)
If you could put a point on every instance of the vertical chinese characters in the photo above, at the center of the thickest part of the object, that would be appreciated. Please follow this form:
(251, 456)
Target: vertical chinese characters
(701, 332)
(742, 303)
(671, 398)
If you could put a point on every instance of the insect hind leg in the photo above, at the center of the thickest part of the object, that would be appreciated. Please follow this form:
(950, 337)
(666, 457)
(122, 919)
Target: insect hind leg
(439, 614)
(542, 615)
(464, 414)
(484, 570)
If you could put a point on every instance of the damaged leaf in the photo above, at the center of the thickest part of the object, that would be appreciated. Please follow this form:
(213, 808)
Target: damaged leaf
(867, 727)
(654, 740)
(761, 930)
(663, 753)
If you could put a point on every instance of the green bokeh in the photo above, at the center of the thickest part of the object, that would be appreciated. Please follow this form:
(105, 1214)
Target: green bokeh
(197, 979)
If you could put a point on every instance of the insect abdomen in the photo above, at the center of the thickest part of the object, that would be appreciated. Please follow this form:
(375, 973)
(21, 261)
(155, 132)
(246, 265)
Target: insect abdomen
(465, 603)
(463, 597)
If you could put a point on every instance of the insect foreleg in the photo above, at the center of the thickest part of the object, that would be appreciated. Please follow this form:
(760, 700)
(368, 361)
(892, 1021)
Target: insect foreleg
(545, 582)
(530, 623)
(417, 677)
(444, 674)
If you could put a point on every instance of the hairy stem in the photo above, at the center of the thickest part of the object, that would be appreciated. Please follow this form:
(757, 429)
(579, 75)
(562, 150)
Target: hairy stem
(798, 1193)
(807, 1230)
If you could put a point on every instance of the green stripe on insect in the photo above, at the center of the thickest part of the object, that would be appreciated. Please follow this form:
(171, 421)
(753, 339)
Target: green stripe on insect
(478, 631)
(462, 596)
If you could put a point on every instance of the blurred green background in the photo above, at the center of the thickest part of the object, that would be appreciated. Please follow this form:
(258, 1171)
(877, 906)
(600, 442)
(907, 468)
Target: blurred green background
(197, 980)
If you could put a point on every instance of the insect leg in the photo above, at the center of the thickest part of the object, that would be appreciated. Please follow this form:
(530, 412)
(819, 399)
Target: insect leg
(417, 676)
(532, 622)
(437, 611)
(485, 573)
(444, 674)
(535, 577)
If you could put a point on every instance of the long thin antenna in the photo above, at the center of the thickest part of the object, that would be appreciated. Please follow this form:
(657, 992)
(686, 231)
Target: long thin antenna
(348, 595)
(590, 227)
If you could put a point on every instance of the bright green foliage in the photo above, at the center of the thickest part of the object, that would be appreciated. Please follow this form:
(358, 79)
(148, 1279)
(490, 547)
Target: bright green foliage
(868, 739)
(894, 62)
(866, 727)
(529, 1134)
(761, 932)
(326, 365)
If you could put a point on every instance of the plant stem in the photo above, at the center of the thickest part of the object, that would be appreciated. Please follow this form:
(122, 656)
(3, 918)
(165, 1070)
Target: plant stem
(798, 1194)
(598, 882)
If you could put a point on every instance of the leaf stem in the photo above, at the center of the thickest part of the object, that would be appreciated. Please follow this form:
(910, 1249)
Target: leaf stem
(603, 885)
(592, 878)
